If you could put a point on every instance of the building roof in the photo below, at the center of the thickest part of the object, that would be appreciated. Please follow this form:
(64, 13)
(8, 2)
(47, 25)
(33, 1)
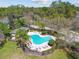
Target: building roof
(47, 28)
(34, 26)
(23, 28)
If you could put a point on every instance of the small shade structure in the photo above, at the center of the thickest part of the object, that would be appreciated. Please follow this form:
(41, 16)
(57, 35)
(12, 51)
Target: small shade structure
(34, 27)
(37, 27)
(47, 28)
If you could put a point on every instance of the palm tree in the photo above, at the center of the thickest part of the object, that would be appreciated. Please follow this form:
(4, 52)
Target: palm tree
(22, 37)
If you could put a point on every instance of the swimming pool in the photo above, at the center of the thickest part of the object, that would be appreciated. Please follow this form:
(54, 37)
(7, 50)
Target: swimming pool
(36, 39)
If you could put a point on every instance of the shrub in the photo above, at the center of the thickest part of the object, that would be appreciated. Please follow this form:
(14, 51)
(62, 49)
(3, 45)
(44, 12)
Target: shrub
(51, 42)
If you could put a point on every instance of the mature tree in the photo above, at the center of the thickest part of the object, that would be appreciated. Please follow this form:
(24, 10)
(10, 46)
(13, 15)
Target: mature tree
(5, 29)
(65, 8)
(19, 22)
(22, 37)
(22, 34)
(17, 10)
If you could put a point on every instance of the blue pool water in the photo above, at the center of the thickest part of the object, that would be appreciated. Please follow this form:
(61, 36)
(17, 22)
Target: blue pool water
(39, 40)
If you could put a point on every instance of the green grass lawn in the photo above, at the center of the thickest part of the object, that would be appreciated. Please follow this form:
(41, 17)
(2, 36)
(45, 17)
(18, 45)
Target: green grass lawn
(10, 51)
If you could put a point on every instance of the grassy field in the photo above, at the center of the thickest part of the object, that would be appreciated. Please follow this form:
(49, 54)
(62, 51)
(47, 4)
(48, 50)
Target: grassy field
(10, 51)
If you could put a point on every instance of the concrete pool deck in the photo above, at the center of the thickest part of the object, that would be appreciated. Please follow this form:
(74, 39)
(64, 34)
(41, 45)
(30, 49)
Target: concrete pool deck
(41, 47)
